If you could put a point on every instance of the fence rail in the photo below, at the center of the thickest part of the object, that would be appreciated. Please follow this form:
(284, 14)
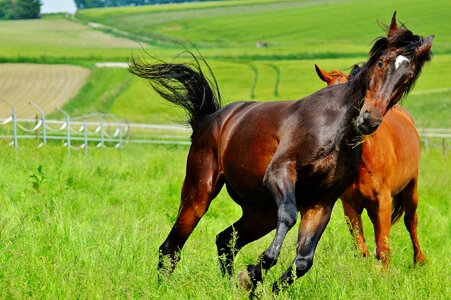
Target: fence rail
(86, 131)
(99, 130)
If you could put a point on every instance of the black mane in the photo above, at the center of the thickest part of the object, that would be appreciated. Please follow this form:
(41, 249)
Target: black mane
(403, 39)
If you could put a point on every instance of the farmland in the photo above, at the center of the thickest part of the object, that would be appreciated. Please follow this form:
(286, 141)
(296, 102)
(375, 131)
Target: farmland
(226, 33)
(90, 227)
(49, 85)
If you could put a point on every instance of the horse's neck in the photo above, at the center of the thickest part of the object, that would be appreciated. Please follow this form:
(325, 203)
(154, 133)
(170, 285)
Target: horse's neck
(351, 103)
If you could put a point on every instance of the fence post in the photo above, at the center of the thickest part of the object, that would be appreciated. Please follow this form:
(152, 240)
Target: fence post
(127, 128)
(426, 145)
(85, 125)
(36, 125)
(67, 129)
(16, 144)
(102, 133)
(120, 134)
(44, 133)
(444, 147)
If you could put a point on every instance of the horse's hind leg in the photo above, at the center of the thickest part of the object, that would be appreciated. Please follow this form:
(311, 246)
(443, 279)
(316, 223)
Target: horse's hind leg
(410, 197)
(202, 184)
(250, 227)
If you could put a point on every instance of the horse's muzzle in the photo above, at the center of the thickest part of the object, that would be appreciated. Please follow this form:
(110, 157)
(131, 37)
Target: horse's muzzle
(365, 124)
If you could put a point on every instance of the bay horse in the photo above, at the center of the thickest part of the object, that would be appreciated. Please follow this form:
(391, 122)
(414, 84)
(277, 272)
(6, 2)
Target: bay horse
(278, 158)
(389, 170)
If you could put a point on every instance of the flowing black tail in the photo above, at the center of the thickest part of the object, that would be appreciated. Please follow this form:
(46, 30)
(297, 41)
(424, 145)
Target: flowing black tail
(398, 208)
(184, 85)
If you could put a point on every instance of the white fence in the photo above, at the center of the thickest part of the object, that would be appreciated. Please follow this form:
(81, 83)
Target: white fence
(434, 138)
(99, 130)
(93, 130)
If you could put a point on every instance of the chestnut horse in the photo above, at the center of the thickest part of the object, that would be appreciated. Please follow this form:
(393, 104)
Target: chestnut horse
(279, 158)
(389, 170)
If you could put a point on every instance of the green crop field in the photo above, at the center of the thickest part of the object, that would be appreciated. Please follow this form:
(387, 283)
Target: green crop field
(90, 227)
(289, 27)
(57, 39)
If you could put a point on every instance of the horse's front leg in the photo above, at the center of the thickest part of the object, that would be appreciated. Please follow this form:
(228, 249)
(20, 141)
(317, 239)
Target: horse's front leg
(380, 215)
(281, 184)
(314, 220)
(353, 213)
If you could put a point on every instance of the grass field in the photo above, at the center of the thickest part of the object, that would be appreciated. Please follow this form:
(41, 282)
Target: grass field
(289, 27)
(90, 227)
(226, 32)
(133, 98)
(57, 39)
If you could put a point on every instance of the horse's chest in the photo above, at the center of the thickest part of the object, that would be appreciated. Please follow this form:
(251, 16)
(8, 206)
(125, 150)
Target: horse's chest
(320, 171)
(329, 173)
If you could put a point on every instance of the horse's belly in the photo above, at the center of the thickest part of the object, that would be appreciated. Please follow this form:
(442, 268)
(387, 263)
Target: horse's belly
(244, 170)
(245, 160)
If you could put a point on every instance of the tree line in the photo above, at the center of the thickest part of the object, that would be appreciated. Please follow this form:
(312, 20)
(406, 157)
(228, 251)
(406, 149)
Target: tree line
(20, 9)
(107, 3)
(31, 9)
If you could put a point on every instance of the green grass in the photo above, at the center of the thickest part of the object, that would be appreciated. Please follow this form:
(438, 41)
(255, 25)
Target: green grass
(57, 39)
(328, 33)
(90, 227)
(292, 27)
(116, 91)
(99, 94)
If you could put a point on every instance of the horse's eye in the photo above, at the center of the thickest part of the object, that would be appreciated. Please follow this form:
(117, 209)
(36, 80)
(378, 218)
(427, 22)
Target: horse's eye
(380, 63)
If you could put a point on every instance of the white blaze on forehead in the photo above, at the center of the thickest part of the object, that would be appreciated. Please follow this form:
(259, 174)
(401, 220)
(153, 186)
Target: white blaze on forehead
(399, 60)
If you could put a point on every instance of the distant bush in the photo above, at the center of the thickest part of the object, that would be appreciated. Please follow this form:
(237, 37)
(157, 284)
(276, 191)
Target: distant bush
(20, 9)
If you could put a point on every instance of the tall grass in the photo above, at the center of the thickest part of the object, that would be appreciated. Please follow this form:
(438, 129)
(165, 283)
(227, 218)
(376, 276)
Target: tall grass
(90, 227)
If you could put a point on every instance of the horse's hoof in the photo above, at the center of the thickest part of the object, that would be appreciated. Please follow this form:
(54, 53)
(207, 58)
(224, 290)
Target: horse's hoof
(244, 280)
(420, 261)
(275, 288)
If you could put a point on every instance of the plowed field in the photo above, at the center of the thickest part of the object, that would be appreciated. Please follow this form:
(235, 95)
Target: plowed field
(49, 86)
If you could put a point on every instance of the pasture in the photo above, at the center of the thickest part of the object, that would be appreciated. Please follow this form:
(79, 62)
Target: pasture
(57, 39)
(90, 227)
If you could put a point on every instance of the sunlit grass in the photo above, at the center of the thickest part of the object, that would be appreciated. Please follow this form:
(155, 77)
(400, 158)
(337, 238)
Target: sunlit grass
(93, 225)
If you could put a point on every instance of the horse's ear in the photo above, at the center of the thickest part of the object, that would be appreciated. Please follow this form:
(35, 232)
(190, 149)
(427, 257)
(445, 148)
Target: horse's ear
(322, 74)
(425, 48)
(393, 26)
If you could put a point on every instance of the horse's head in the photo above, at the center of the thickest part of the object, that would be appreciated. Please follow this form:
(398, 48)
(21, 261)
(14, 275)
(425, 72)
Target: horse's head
(394, 64)
(332, 77)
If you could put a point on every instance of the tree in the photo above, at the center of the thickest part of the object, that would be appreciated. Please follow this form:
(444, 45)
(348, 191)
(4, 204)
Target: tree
(28, 9)
(20, 9)
(5, 9)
